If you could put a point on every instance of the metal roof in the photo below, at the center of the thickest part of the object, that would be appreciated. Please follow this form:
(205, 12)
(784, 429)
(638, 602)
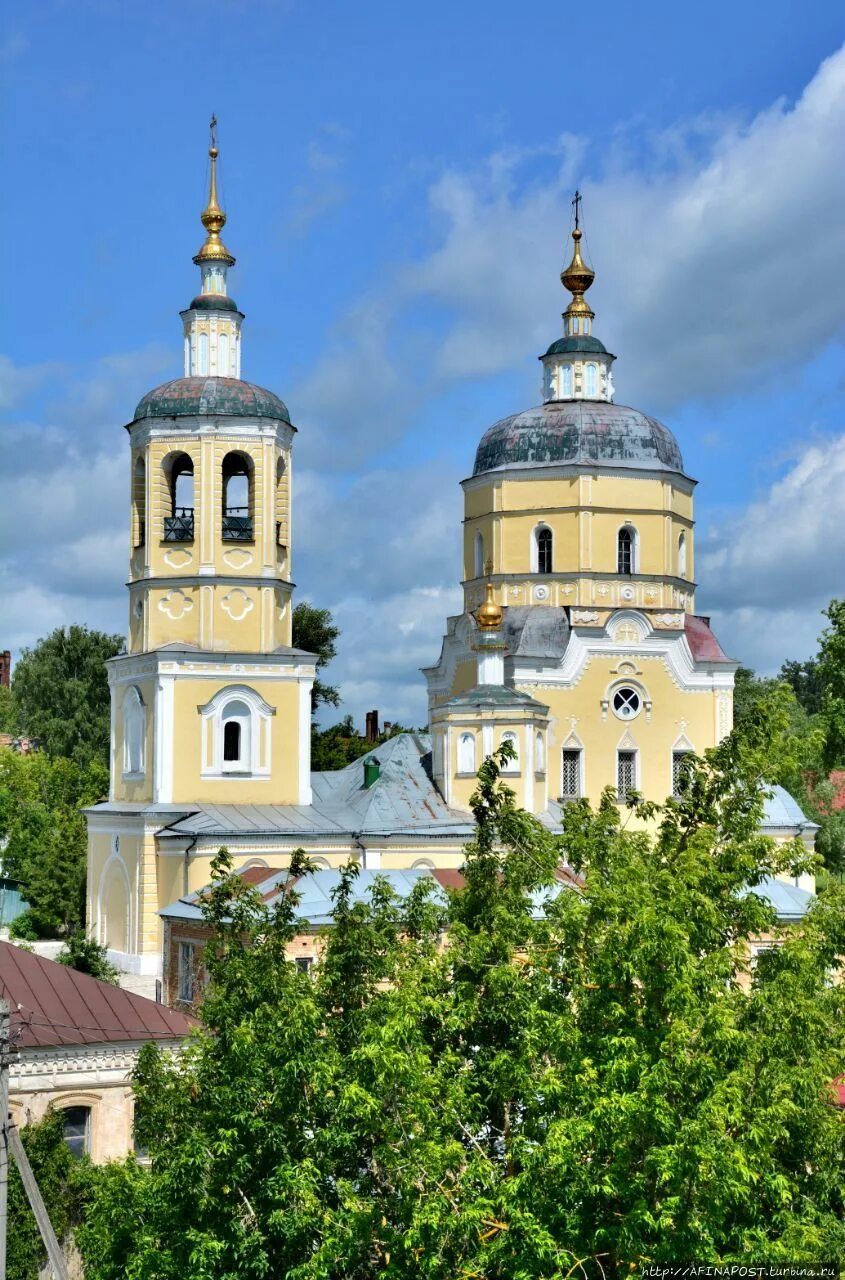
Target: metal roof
(783, 810)
(52, 1004)
(789, 901)
(578, 433)
(316, 890)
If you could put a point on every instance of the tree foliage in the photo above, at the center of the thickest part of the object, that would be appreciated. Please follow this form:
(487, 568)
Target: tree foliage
(45, 839)
(315, 631)
(65, 1183)
(85, 955)
(831, 671)
(61, 693)
(341, 743)
(585, 1087)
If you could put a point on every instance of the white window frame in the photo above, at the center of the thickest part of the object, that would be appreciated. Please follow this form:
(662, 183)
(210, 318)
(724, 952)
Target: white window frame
(635, 785)
(511, 766)
(568, 749)
(466, 754)
(682, 554)
(566, 381)
(534, 549)
(635, 549)
(134, 715)
(591, 380)
(478, 554)
(256, 734)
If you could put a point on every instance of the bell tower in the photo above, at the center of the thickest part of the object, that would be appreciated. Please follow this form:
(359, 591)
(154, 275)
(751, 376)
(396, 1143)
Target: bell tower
(211, 703)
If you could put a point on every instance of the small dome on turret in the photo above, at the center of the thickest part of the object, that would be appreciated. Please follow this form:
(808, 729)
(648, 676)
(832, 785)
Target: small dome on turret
(580, 342)
(212, 302)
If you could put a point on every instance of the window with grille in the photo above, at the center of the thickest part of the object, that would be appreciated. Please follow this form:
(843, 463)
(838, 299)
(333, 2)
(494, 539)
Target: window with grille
(186, 972)
(625, 552)
(571, 775)
(544, 550)
(626, 771)
(680, 773)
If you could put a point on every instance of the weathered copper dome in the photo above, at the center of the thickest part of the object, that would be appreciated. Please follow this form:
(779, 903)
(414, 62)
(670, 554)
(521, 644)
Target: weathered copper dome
(197, 397)
(580, 433)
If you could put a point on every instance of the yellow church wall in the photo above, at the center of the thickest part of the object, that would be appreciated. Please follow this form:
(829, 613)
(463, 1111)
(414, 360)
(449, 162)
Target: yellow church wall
(280, 785)
(129, 787)
(675, 714)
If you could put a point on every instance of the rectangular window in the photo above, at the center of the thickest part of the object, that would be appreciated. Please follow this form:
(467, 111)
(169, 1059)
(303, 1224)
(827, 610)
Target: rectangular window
(571, 775)
(680, 773)
(186, 972)
(304, 963)
(77, 1129)
(626, 773)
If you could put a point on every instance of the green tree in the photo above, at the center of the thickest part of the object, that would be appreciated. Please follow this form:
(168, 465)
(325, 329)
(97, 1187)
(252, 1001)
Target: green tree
(44, 835)
(831, 672)
(61, 692)
(805, 681)
(84, 954)
(65, 1184)
(586, 1087)
(9, 722)
(315, 631)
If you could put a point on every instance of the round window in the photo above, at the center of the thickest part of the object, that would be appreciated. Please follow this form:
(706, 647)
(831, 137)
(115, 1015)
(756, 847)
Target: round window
(626, 703)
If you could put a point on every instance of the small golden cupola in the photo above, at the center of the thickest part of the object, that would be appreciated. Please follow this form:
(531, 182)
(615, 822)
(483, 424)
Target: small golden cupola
(577, 366)
(212, 322)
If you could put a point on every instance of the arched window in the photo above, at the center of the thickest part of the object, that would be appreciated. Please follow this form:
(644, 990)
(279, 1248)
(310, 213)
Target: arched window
(625, 550)
(203, 369)
(566, 382)
(478, 555)
(187, 356)
(466, 753)
(235, 723)
(511, 766)
(223, 355)
(139, 503)
(237, 497)
(539, 752)
(134, 731)
(682, 556)
(592, 382)
(544, 550)
(179, 471)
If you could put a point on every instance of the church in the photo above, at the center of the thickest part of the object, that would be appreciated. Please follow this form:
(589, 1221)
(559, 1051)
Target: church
(578, 643)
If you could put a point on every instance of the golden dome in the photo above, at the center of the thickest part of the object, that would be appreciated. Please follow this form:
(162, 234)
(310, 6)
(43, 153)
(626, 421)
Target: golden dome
(490, 614)
(213, 218)
(577, 278)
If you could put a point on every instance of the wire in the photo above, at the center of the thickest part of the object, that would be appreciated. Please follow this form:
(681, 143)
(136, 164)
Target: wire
(129, 1032)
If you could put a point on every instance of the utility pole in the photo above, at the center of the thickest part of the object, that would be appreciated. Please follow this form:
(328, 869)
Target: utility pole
(4, 1131)
(10, 1140)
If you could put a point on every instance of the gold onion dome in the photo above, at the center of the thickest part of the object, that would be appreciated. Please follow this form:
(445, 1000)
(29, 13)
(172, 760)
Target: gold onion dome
(213, 218)
(489, 615)
(577, 278)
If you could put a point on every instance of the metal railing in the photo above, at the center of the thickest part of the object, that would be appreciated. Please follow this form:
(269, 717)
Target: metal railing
(237, 524)
(180, 526)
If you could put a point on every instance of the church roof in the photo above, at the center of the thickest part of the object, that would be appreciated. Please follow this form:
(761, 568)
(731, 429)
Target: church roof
(580, 433)
(495, 695)
(536, 631)
(577, 342)
(212, 302)
(213, 397)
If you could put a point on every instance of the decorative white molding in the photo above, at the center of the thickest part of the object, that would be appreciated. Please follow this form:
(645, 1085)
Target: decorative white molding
(237, 604)
(177, 559)
(237, 558)
(175, 604)
(584, 617)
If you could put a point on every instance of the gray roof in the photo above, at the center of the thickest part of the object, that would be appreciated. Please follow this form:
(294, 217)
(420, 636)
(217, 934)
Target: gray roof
(578, 432)
(789, 901)
(576, 342)
(495, 695)
(783, 810)
(402, 800)
(315, 890)
(536, 631)
(208, 396)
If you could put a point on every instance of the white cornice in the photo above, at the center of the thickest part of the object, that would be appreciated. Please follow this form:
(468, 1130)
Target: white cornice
(222, 427)
(206, 665)
(566, 471)
(78, 1066)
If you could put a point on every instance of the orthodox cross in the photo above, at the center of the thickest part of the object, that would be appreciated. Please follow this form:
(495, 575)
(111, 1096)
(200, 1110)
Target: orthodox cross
(576, 205)
(213, 127)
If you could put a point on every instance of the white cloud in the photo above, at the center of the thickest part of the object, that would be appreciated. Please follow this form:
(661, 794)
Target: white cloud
(770, 569)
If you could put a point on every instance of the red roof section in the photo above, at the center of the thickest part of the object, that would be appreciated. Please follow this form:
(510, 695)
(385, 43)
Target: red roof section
(52, 1004)
(701, 640)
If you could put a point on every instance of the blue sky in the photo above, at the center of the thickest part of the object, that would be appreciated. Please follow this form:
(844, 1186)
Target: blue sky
(397, 180)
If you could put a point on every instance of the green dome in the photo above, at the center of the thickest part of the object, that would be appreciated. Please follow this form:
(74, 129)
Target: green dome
(212, 302)
(577, 342)
(210, 397)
